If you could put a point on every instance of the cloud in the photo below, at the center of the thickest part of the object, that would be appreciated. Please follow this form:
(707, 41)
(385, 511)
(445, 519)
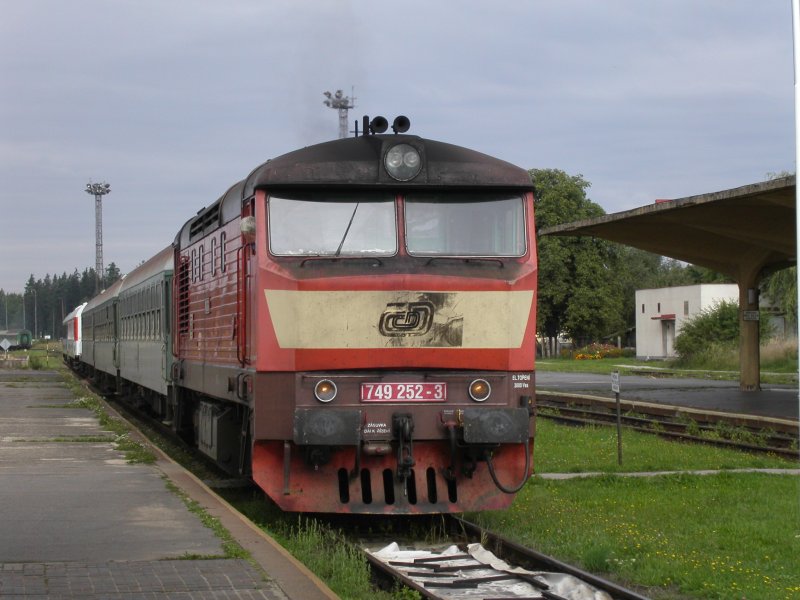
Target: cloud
(173, 102)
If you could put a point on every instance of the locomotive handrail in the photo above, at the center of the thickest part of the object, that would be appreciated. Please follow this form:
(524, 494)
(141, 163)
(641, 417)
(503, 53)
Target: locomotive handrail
(376, 262)
(176, 337)
(475, 260)
(177, 329)
(241, 304)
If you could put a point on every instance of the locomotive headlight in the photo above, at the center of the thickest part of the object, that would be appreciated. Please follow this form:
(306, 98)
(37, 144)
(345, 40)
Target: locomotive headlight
(325, 390)
(479, 390)
(403, 162)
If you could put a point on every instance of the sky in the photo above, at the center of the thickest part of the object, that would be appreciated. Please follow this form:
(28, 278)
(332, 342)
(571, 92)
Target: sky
(171, 102)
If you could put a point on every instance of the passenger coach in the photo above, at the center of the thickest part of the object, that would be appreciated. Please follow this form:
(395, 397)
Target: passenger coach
(71, 342)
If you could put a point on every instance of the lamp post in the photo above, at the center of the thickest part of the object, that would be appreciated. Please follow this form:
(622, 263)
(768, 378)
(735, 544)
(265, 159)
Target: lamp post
(98, 190)
(341, 103)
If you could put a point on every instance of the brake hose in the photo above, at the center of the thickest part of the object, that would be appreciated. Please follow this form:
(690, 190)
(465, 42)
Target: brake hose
(499, 485)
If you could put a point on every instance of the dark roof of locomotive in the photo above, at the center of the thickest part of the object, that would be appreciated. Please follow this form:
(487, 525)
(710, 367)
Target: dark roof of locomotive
(358, 162)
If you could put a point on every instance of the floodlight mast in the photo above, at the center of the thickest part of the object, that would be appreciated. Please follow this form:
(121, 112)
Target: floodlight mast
(342, 103)
(98, 190)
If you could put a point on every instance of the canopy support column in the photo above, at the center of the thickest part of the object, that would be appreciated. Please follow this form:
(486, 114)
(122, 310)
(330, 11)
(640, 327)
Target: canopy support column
(749, 351)
(749, 324)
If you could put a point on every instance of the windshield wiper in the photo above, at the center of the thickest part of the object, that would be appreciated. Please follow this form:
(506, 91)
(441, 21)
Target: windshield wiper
(346, 231)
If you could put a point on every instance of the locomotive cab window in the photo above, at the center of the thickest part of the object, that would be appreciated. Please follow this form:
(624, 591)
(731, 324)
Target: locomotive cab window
(317, 224)
(458, 224)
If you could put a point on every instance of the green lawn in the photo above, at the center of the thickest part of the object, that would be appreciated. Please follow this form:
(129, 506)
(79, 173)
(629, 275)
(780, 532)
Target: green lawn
(731, 535)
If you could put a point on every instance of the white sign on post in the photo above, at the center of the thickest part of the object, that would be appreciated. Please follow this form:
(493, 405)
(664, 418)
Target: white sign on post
(615, 382)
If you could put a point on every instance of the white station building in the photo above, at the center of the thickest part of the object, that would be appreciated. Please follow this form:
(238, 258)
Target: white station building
(661, 313)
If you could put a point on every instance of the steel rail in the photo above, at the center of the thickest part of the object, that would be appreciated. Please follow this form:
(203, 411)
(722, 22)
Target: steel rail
(669, 426)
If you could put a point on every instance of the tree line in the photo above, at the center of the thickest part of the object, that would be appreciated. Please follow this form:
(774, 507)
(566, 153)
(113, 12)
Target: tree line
(41, 308)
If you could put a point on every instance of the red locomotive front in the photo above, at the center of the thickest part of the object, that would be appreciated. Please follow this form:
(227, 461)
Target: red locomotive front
(380, 327)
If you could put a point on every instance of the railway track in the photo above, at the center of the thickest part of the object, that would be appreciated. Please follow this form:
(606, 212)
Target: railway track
(752, 434)
(480, 564)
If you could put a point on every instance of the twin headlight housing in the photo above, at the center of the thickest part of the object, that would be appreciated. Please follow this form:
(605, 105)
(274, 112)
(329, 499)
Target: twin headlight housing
(403, 162)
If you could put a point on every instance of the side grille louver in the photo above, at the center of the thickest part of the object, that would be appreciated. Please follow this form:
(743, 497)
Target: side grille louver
(209, 217)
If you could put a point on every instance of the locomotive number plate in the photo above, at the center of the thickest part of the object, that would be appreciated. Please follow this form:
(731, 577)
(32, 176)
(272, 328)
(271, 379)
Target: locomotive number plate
(403, 392)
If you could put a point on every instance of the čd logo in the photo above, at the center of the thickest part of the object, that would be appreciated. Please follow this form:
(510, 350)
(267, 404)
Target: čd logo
(406, 318)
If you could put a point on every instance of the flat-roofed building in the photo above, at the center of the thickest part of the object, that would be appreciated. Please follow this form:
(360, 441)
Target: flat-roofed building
(662, 312)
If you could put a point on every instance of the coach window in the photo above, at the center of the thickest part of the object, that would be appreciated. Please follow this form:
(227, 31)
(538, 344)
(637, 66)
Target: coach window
(354, 224)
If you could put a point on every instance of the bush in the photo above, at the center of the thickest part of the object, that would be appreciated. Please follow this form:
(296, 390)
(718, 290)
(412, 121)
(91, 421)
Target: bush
(712, 329)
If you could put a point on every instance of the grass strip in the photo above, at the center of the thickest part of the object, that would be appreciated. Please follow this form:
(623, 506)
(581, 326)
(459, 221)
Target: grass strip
(230, 547)
(134, 451)
(320, 547)
(563, 449)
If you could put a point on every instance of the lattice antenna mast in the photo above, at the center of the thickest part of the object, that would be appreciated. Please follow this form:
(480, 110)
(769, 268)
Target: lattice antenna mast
(342, 103)
(98, 190)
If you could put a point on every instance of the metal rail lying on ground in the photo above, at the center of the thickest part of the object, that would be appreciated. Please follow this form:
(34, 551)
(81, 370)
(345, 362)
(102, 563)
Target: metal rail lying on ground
(482, 570)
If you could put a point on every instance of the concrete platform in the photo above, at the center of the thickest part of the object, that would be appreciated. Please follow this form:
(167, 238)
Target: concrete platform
(77, 521)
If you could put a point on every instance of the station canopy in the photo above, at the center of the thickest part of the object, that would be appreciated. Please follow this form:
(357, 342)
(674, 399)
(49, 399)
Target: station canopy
(728, 231)
(744, 233)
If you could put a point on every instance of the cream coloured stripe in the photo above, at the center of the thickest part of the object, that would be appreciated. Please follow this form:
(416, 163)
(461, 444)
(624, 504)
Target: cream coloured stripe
(399, 319)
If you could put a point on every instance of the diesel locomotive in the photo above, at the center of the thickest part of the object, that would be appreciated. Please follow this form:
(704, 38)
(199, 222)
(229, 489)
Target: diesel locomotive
(352, 326)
